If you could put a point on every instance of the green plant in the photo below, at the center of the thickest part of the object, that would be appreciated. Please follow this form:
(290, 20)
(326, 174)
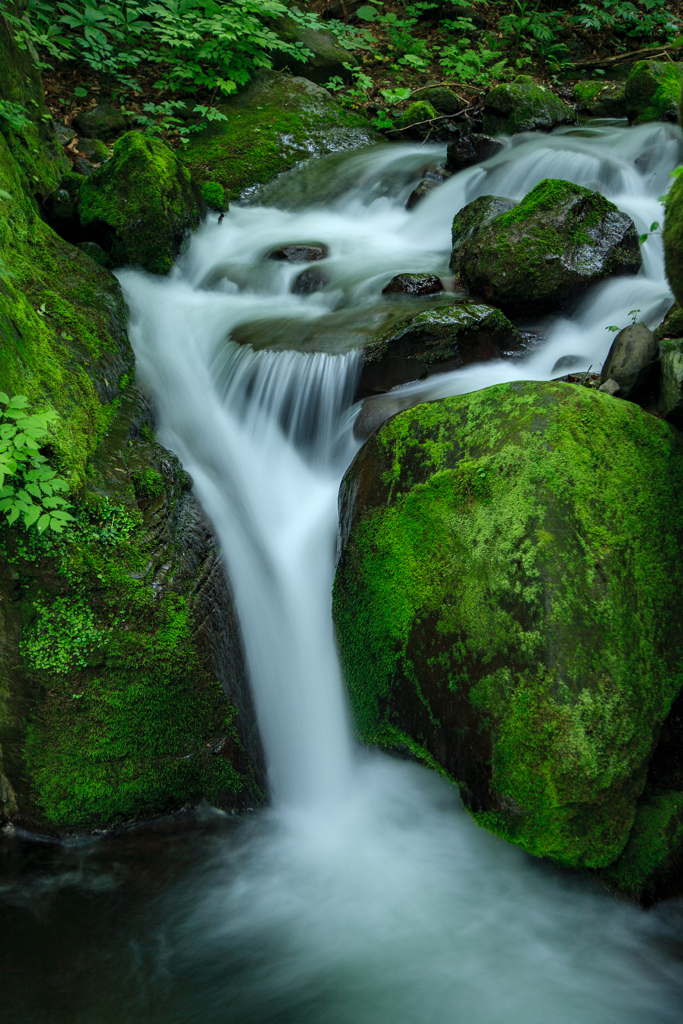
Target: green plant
(645, 19)
(34, 493)
(479, 65)
(633, 313)
(64, 637)
(14, 115)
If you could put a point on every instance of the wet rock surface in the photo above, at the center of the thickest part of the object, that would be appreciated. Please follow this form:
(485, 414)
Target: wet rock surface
(543, 253)
(470, 150)
(413, 284)
(475, 215)
(300, 253)
(312, 280)
(632, 361)
(425, 188)
(524, 106)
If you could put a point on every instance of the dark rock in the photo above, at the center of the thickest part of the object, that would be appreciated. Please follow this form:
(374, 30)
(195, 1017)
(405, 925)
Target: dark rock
(64, 134)
(376, 410)
(523, 106)
(139, 204)
(540, 255)
(309, 281)
(82, 166)
(601, 99)
(653, 90)
(632, 361)
(470, 150)
(413, 284)
(564, 362)
(475, 215)
(96, 253)
(497, 560)
(329, 56)
(670, 403)
(442, 99)
(93, 150)
(425, 188)
(672, 236)
(59, 211)
(100, 122)
(672, 324)
(300, 253)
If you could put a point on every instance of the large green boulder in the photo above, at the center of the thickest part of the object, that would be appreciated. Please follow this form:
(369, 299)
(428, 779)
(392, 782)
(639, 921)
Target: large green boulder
(140, 204)
(507, 605)
(672, 234)
(653, 90)
(557, 241)
(274, 124)
(601, 99)
(524, 106)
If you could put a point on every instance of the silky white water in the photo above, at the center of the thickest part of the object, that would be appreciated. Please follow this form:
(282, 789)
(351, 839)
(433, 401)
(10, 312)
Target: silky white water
(366, 895)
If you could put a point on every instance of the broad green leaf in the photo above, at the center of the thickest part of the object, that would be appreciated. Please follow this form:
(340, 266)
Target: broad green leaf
(43, 523)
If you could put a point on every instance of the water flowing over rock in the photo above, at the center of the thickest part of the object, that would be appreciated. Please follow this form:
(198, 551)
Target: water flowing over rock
(470, 150)
(539, 256)
(413, 284)
(491, 545)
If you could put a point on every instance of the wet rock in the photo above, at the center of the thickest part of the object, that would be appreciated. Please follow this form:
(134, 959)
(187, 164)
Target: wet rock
(413, 284)
(139, 204)
(472, 149)
(601, 99)
(540, 255)
(312, 280)
(417, 113)
(64, 134)
(672, 324)
(474, 216)
(632, 361)
(492, 545)
(672, 235)
(425, 188)
(523, 106)
(273, 124)
(93, 150)
(670, 403)
(565, 362)
(653, 90)
(96, 253)
(300, 253)
(101, 122)
(376, 410)
(442, 99)
(610, 387)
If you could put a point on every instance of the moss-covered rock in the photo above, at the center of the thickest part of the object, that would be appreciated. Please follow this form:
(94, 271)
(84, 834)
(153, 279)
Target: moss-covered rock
(442, 99)
(672, 235)
(474, 216)
(558, 240)
(273, 125)
(213, 195)
(649, 867)
(101, 122)
(417, 113)
(670, 404)
(140, 204)
(601, 99)
(524, 106)
(672, 324)
(653, 90)
(507, 605)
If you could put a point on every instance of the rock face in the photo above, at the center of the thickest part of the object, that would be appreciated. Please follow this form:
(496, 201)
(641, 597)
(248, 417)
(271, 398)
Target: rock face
(632, 361)
(470, 150)
(671, 385)
(601, 99)
(557, 241)
(506, 606)
(653, 90)
(100, 122)
(275, 123)
(523, 106)
(139, 205)
(474, 216)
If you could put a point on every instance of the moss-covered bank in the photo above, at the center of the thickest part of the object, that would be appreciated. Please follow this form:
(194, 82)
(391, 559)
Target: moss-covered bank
(506, 604)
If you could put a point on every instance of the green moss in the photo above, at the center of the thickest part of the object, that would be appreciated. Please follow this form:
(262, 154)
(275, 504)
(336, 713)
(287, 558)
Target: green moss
(139, 204)
(600, 98)
(653, 90)
(508, 563)
(523, 106)
(213, 195)
(417, 112)
(672, 234)
(272, 126)
(654, 851)
(480, 211)
(148, 483)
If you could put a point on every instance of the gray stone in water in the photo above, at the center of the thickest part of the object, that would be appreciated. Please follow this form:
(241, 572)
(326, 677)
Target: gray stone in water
(309, 281)
(414, 284)
(300, 253)
(426, 186)
(632, 360)
(473, 149)
(671, 387)
(610, 387)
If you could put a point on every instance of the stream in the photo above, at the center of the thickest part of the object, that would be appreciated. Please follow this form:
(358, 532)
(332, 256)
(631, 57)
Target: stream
(364, 894)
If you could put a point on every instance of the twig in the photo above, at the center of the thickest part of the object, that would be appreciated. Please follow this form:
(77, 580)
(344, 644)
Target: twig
(430, 120)
(624, 58)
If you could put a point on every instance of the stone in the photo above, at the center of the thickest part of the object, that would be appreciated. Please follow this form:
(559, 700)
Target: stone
(470, 150)
(476, 215)
(213, 195)
(139, 204)
(96, 253)
(312, 280)
(417, 113)
(670, 403)
(93, 150)
(507, 606)
(101, 122)
(59, 211)
(601, 99)
(442, 99)
(653, 90)
(672, 236)
(82, 166)
(273, 124)
(64, 134)
(328, 55)
(413, 284)
(376, 410)
(610, 387)
(300, 253)
(425, 188)
(632, 361)
(547, 250)
(672, 324)
(524, 106)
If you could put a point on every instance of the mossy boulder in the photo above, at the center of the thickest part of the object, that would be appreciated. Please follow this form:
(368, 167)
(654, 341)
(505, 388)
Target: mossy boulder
(474, 216)
(670, 404)
(417, 113)
(274, 124)
(506, 605)
(101, 122)
(140, 204)
(442, 99)
(653, 90)
(672, 235)
(524, 106)
(601, 99)
(557, 241)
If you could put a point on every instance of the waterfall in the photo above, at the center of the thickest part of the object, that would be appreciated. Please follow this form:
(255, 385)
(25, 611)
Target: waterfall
(366, 896)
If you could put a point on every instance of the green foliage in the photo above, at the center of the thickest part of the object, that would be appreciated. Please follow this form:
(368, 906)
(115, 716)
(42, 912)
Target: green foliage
(64, 637)
(643, 20)
(480, 65)
(33, 494)
(14, 114)
(148, 484)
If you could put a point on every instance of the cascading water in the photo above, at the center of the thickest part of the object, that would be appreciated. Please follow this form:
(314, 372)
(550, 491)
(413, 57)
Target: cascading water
(366, 895)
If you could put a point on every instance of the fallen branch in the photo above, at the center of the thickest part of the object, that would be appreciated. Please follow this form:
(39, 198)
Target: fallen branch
(625, 58)
(431, 120)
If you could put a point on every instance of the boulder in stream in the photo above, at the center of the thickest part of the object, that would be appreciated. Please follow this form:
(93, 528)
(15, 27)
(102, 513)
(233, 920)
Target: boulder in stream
(507, 607)
(470, 150)
(653, 90)
(632, 361)
(540, 255)
(524, 106)
(140, 204)
(601, 99)
(413, 284)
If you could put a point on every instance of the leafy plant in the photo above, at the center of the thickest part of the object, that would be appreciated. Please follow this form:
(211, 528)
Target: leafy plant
(34, 492)
(63, 638)
(473, 65)
(14, 115)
